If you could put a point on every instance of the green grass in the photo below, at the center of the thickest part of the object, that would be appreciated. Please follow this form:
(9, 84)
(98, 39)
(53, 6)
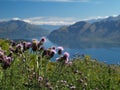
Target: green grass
(82, 74)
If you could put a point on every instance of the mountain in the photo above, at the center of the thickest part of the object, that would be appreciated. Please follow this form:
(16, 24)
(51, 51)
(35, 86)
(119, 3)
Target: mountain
(110, 18)
(104, 31)
(17, 29)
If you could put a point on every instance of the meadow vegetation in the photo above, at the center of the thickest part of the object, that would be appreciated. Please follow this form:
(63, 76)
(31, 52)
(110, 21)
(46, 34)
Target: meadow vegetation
(28, 66)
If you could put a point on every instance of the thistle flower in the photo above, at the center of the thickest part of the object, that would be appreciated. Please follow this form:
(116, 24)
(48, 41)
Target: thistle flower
(52, 53)
(40, 79)
(26, 45)
(43, 39)
(50, 88)
(13, 43)
(34, 44)
(66, 54)
(48, 84)
(60, 49)
(1, 53)
(81, 81)
(11, 48)
(19, 48)
(1, 56)
(6, 62)
(45, 53)
(53, 47)
(72, 88)
(64, 58)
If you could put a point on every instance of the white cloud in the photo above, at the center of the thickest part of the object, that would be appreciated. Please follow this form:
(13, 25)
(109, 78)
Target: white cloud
(51, 20)
(42, 20)
(16, 18)
(95, 17)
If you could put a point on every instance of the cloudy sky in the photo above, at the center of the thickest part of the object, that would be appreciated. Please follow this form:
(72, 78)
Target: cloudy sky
(57, 12)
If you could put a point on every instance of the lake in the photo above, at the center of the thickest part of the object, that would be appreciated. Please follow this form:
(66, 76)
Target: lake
(109, 55)
(106, 53)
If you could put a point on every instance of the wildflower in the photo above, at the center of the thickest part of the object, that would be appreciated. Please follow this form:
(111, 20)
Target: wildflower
(66, 54)
(52, 53)
(64, 58)
(43, 39)
(1, 53)
(6, 62)
(85, 84)
(53, 47)
(34, 44)
(72, 88)
(40, 79)
(26, 45)
(80, 81)
(19, 48)
(45, 53)
(60, 49)
(1, 56)
(85, 78)
(11, 49)
(47, 84)
(76, 71)
(13, 43)
(50, 88)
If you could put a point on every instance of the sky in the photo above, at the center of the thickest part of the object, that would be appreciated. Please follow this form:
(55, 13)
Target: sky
(57, 12)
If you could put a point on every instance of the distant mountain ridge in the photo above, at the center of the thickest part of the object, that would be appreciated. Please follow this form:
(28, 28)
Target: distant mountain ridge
(104, 31)
(18, 29)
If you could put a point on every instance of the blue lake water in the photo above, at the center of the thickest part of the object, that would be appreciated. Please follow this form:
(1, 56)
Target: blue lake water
(109, 55)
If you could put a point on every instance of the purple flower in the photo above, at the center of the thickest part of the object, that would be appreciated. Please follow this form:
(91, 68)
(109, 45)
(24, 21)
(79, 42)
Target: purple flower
(66, 54)
(60, 49)
(52, 50)
(34, 44)
(19, 48)
(1, 56)
(9, 59)
(40, 79)
(53, 47)
(28, 45)
(11, 49)
(6, 62)
(1, 53)
(43, 39)
(64, 58)
(13, 43)
(52, 53)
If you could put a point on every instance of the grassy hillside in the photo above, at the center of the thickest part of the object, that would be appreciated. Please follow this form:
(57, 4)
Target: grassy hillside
(33, 70)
